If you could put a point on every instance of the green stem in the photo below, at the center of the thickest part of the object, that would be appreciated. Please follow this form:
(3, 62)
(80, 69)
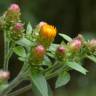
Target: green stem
(19, 91)
(51, 75)
(51, 68)
(8, 55)
(6, 49)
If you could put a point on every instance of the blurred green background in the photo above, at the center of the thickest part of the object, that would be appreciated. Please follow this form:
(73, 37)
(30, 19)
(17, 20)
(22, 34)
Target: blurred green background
(71, 17)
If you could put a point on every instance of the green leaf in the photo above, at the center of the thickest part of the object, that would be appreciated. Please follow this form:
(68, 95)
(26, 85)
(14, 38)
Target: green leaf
(92, 58)
(40, 83)
(21, 59)
(63, 79)
(50, 93)
(29, 29)
(24, 42)
(46, 61)
(52, 55)
(53, 47)
(77, 67)
(3, 87)
(51, 50)
(66, 37)
(20, 51)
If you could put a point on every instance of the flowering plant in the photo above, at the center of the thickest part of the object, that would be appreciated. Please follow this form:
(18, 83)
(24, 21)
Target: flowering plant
(42, 59)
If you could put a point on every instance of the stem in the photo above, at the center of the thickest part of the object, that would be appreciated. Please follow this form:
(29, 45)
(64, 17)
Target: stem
(19, 91)
(56, 72)
(51, 68)
(6, 49)
(8, 56)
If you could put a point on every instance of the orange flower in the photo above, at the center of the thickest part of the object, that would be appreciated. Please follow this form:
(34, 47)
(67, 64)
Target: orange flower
(48, 31)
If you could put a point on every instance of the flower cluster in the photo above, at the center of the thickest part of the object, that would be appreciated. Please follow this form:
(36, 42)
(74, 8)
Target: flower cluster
(12, 22)
(41, 58)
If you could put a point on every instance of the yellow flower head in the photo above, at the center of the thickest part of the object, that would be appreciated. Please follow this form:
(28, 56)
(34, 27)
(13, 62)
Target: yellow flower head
(48, 31)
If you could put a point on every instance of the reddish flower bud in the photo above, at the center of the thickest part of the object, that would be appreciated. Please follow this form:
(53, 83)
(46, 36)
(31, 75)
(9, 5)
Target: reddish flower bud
(61, 49)
(37, 55)
(60, 52)
(75, 44)
(14, 8)
(17, 31)
(80, 37)
(39, 51)
(13, 14)
(92, 44)
(4, 75)
(18, 26)
(41, 24)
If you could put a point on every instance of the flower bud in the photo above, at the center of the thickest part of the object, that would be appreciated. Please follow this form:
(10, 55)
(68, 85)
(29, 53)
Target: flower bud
(80, 37)
(39, 51)
(37, 54)
(18, 26)
(61, 49)
(4, 75)
(92, 44)
(17, 31)
(47, 34)
(14, 8)
(13, 14)
(41, 24)
(75, 44)
(60, 52)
